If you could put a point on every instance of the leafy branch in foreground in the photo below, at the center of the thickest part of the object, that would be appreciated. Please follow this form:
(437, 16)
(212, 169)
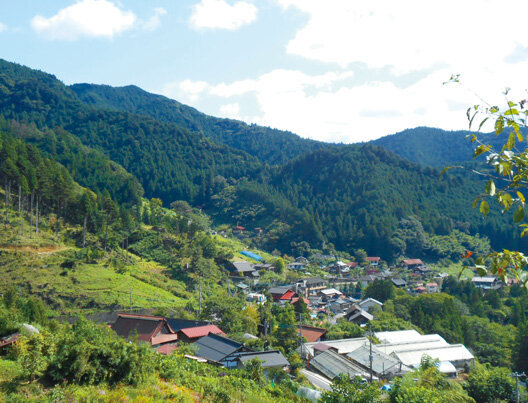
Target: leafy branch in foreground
(508, 178)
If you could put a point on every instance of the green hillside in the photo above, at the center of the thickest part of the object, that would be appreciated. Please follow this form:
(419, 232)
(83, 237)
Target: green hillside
(268, 145)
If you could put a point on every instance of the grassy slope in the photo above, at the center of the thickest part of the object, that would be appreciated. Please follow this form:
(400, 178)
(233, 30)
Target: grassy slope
(33, 265)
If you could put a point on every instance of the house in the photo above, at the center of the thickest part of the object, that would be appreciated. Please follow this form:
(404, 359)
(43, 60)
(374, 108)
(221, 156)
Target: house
(411, 264)
(312, 285)
(341, 346)
(339, 306)
(374, 261)
(487, 283)
(268, 359)
(399, 282)
(265, 267)
(352, 265)
(329, 293)
(330, 365)
(312, 333)
(278, 292)
(358, 315)
(420, 289)
(301, 259)
(177, 324)
(409, 347)
(384, 366)
(154, 330)
(243, 269)
(220, 350)
(297, 266)
(255, 297)
(243, 287)
(432, 287)
(192, 334)
(366, 280)
(368, 303)
(340, 268)
(238, 229)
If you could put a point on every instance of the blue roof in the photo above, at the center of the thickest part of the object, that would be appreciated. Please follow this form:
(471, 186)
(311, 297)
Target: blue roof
(252, 255)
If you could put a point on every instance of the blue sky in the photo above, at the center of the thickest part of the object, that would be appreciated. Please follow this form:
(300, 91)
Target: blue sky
(333, 70)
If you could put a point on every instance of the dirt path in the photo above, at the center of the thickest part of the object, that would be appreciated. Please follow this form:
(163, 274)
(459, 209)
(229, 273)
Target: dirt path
(43, 250)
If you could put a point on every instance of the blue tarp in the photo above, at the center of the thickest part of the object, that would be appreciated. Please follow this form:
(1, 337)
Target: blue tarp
(252, 255)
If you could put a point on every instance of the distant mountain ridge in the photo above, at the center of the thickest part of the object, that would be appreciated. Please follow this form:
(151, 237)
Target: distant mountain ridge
(271, 146)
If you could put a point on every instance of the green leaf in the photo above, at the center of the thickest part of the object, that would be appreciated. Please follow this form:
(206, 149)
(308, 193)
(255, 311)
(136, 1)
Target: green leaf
(510, 112)
(490, 188)
(481, 270)
(481, 149)
(499, 125)
(475, 202)
(521, 197)
(510, 143)
(511, 104)
(518, 216)
(482, 123)
(484, 207)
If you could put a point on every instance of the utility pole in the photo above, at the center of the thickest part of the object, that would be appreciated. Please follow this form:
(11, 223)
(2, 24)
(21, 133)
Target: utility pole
(517, 375)
(371, 358)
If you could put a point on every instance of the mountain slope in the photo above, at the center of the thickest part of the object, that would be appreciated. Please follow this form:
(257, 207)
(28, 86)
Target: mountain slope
(434, 147)
(269, 145)
(170, 162)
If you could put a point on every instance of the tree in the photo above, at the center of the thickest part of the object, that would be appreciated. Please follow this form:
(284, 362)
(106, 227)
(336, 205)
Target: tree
(346, 390)
(507, 177)
(488, 384)
(382, 290)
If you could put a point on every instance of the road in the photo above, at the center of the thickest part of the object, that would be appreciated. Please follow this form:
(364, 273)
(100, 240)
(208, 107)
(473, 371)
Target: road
(317, 380)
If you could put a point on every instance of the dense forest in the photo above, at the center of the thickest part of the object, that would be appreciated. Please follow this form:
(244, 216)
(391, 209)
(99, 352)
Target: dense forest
(297, 190)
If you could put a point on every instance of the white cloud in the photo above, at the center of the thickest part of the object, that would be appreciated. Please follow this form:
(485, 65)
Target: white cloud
(221, 15)
(230, 110)
(155, 21)
(327, 107)
(88, 18)
(3, 27)
(408, 34)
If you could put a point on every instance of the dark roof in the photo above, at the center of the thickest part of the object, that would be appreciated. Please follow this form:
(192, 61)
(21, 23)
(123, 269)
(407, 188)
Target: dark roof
(145, 326)
(272, 358)
(313, 280)
(398, 282)
(215, 347)
(381, 362)
(332, 364)
(280, 290)
(242, 267)
(177, 324)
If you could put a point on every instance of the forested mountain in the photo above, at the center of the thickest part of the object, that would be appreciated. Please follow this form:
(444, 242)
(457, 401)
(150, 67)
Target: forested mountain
(269, 145)
(129, 142)
(434, 147)
(170, 162)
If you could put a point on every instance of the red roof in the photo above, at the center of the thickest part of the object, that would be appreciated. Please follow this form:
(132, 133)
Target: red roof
(419, 288)
(311, 333)
(201, 331)
(240, 228)
(352, 264)
(372, 271)
(411, 262)
(432, 285)
(167, 349)
(373, 259)
(295, 299)
(288, 295)
(321, 347)
(146, 327)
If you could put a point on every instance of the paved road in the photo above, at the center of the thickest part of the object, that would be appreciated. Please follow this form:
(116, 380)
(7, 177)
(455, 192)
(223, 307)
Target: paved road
(317, 380)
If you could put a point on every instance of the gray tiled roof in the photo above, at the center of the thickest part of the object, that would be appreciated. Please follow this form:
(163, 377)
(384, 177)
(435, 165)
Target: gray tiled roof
(272, 358)
(331, 365)
(215, 348)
